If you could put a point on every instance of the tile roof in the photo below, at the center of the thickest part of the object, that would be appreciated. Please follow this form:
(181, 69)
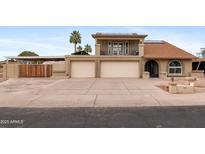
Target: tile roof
(122, 35)
(164, 50)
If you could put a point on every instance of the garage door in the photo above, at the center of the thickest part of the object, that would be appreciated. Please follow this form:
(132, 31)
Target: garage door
(120, 69)
(82, 69)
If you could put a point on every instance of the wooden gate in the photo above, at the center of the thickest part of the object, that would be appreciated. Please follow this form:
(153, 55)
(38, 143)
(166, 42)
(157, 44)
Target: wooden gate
(30, 70)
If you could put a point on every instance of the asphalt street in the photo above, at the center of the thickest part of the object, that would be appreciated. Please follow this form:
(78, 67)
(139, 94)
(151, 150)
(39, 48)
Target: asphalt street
(126, 117)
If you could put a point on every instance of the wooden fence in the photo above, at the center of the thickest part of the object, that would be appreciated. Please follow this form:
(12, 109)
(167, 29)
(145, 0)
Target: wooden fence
(30, 70)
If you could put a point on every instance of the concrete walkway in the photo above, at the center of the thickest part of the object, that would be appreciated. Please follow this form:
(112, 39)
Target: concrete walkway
(26, 93)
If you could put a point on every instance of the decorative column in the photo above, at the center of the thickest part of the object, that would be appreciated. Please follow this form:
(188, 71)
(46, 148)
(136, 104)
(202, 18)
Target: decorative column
(141, 49)
(97, 68)
(68, 68)
(97, 49)
(67, 65)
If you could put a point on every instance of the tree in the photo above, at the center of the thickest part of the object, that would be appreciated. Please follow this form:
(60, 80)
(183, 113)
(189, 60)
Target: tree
(80, 53)
(79, 48)
(75, 38)
(203, 52)
(88, 48)
(28, 53)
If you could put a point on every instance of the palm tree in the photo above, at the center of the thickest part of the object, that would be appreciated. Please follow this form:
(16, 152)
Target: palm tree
(75, 38)
(79, 48)
(87, 48)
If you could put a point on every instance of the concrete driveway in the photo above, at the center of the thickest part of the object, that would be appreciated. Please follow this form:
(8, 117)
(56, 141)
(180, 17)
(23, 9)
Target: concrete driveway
(46, 93)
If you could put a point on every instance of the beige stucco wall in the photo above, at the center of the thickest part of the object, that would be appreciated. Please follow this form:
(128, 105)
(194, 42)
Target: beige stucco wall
(198, 73)
(1, 72)
(97, 49)
(187, 65)
(141, 49)
(59, 70)
(59, 67)
(97, 60)
(11, 70)
(163, 66)
(103, 47)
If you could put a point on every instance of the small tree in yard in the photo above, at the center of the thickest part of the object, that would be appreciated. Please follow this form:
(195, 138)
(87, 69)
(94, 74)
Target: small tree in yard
(75, 38)
(28, 53)
(203, 52)
(88, 49)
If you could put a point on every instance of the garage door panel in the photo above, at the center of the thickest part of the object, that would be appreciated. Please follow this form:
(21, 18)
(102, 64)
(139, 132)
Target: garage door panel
(82, 69)
(120, 69)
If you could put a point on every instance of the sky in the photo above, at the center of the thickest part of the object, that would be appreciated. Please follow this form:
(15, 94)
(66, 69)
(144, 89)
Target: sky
(54, 40)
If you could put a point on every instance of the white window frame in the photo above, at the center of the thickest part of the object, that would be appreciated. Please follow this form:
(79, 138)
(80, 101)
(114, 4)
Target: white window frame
(122, 48)
(110, 48)
(126, 48)
(175, 67)
(113, 51)
(118, 48)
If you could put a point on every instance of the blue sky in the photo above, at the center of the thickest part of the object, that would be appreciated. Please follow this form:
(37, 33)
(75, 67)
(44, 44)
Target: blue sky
(55, 40)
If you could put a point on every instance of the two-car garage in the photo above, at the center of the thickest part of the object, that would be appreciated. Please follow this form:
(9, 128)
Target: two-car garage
(104, 69)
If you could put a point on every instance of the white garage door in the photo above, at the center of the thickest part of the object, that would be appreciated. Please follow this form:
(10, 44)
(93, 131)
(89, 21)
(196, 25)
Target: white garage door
(82, 69)
(120, 69)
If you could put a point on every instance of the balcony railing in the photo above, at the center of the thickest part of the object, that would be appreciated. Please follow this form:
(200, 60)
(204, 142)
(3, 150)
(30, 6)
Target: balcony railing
(133, 53)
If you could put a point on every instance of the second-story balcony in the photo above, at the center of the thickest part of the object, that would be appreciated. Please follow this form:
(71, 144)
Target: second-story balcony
(119, 44)
(118, 48)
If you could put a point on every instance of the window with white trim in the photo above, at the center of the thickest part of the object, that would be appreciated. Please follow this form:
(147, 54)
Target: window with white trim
(126, 48)
(175, 67)
(110, 48)
(115, 48)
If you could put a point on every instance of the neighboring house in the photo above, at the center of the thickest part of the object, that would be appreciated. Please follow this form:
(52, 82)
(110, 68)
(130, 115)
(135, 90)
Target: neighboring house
(130, 55)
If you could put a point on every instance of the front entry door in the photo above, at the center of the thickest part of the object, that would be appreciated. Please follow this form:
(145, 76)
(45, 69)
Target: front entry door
(152, 67)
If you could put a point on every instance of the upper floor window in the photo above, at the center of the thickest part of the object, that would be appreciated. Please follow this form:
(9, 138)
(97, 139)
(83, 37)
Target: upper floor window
(115, 48)
(126, 48)
(118, 48)
(110, 48)
(175, 67)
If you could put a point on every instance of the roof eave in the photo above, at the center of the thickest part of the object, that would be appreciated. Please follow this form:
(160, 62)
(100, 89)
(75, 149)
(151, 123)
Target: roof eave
(113, 36)
(152, 57)
(35, 57)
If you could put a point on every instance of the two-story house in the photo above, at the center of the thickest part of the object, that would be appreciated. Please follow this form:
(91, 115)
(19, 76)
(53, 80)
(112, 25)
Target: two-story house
(130, 55)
